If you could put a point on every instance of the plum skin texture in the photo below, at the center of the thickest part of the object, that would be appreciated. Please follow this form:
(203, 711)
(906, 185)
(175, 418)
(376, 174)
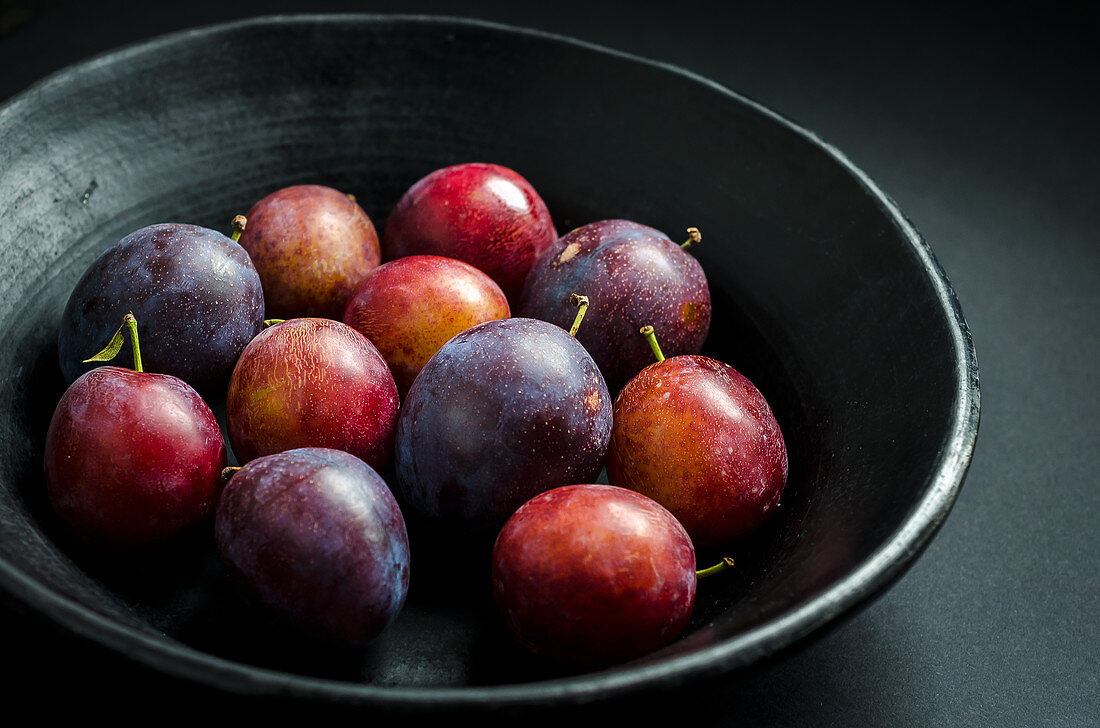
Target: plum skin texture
(311, 245)
(696, 436)
(502, 412)
(590, 575)
(314, 538)
(132, 458)
(194, 292)
(312, 382)
(412, 306)
(484, 214)
(633, 276)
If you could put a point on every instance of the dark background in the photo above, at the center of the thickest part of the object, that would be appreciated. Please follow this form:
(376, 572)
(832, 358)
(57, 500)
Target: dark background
(981, 122)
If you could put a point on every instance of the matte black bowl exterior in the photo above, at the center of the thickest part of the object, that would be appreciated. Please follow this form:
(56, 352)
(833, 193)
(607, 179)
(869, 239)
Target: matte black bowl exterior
(824, 296)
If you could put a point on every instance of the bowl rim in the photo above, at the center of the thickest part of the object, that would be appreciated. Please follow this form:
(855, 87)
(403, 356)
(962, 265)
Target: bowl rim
(884, 566)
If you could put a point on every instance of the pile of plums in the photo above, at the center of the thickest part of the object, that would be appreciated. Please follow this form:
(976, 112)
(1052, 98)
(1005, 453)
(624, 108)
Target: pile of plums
(336, 367)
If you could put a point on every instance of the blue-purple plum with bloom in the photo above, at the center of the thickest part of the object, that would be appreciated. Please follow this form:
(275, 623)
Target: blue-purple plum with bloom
(195, 292)
(314, 538)
(634, 276)
(502, 412)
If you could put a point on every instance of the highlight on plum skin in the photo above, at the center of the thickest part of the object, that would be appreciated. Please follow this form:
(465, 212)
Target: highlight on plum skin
(484, 214)
(590, 575)
(314, 539)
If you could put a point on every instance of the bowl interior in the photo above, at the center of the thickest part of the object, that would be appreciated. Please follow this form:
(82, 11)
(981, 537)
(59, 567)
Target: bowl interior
(820, 296)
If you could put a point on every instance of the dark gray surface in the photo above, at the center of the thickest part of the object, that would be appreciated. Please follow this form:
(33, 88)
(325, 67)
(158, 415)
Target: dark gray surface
(981, 126)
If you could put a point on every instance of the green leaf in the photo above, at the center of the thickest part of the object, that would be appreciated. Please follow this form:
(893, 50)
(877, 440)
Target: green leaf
(111, 350)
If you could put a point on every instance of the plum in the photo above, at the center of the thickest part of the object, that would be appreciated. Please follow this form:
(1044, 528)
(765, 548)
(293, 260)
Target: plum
(312, 382)
(410, 307)
(634, 275)
(133, 458)
(484, 214)
(503, 411)
(696, 436)
(314, 538)
(593, 574)
(195, 292)
(312, 245)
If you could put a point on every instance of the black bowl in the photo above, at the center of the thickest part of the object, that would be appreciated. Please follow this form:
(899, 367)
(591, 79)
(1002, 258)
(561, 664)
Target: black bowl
(824, 295)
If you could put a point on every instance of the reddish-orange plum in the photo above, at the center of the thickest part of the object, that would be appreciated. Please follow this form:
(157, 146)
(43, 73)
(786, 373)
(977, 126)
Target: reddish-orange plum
(484, 214)
(696, 436)
(312, 382)
(412, 306)
(593, 574)
(132, 458)
(311, 245)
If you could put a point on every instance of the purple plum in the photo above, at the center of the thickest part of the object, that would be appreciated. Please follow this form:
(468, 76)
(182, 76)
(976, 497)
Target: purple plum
(195, 292)
(314, 538)
(503, 411)
(633, 275)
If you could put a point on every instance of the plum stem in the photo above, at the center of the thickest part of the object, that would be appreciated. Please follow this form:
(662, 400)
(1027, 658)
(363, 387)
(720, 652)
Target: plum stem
(110, 351)
(239, 223)
(135, 346)
(651, 337)
(272, 322)
(581, 302)
(694, 236)
(227, 473)
(721, 566)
